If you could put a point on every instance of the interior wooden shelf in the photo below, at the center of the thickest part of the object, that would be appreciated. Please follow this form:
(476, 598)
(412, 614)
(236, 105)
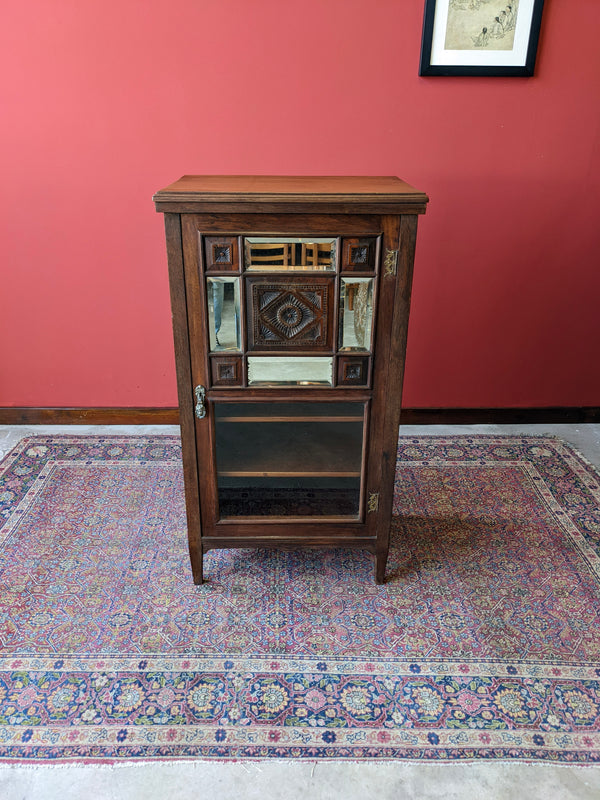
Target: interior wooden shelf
(285, 474)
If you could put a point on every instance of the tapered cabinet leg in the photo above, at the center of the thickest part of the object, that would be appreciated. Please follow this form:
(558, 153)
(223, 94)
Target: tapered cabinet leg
(194, 533)
(196, 559)
(380, 565)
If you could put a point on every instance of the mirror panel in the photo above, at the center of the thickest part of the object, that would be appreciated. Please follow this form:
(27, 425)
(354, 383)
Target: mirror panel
(276, 254)
(223, 300)
(356, 313)
(290, 371)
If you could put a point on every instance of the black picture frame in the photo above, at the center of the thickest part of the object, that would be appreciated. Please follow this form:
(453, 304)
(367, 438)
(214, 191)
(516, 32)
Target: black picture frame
(524, 56)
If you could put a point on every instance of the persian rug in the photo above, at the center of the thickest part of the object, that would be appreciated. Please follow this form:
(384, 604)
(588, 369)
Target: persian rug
(484, 643)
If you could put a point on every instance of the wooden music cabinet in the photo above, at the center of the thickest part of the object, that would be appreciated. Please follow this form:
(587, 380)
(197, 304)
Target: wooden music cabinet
(290, 299)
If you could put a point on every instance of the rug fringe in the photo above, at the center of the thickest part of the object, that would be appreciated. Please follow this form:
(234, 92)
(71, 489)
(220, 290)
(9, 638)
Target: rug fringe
(144, 763)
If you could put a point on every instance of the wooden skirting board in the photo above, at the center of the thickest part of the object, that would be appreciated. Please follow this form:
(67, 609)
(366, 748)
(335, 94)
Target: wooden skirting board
(409, 416)
(89, 416)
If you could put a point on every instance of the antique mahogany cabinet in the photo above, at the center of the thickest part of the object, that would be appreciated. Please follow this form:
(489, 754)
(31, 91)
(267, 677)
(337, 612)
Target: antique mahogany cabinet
(290, 299)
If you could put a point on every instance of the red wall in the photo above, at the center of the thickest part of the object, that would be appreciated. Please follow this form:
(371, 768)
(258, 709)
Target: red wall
(107, 102)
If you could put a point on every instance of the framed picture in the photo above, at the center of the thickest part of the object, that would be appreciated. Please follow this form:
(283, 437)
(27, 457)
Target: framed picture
(480, 37)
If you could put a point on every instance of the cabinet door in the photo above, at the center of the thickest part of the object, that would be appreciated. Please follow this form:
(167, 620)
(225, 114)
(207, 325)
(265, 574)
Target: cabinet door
(282, 333)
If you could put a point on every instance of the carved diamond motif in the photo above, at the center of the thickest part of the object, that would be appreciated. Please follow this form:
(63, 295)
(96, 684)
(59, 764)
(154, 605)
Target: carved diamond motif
(289, 316)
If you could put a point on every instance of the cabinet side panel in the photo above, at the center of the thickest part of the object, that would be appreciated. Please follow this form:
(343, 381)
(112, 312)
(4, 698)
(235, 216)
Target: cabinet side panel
(406, 258)
(184, 390)
(378, 467)
(395, 374)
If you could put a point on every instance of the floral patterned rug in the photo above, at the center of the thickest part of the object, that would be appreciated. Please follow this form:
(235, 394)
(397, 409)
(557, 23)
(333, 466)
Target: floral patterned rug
(484, 643)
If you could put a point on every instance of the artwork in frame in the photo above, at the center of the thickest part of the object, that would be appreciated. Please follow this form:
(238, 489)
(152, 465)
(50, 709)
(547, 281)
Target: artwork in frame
(480, 37)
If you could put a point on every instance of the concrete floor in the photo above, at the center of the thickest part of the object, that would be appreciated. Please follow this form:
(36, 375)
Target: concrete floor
(275, 780)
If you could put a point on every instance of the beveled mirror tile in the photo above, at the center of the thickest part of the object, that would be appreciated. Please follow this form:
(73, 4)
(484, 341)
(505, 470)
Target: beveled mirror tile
(223, 301)
(290, 371)
(356, 313)
(275, 254)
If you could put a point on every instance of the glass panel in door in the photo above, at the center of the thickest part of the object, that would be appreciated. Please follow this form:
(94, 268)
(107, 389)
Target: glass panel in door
(293, 459)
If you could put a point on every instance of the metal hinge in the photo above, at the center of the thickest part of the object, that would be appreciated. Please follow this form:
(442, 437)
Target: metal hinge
(390, 263)
(200, 409)
(373, 504)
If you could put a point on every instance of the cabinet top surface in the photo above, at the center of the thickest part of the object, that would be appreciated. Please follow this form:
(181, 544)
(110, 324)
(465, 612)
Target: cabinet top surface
(356, 190)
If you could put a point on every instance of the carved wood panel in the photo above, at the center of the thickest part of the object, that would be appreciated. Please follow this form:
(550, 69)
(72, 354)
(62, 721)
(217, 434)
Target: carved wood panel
(353, 370)
(222, 253)
(290, 314)
(358, 255)
(226, 370)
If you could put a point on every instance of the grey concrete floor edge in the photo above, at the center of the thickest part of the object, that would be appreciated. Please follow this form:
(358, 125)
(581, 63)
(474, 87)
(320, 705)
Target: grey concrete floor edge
(319, 781)
(323, 780)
